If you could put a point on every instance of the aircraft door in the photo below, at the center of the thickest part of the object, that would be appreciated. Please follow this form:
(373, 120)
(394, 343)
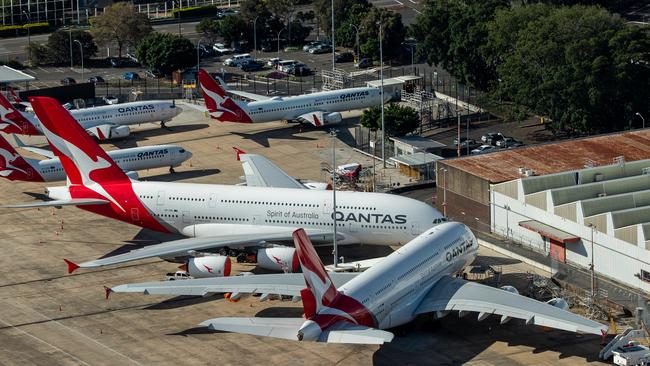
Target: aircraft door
(172, 156)
(161, 198)
(186, 217)
(415, 229)
(353, 227)
(213, 200)
(255, 220)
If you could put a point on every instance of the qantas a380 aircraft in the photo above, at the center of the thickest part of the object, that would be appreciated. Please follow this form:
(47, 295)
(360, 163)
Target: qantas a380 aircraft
(103, 123)
(15, 167)
(215, 216)
(417, 278)
(319, 109)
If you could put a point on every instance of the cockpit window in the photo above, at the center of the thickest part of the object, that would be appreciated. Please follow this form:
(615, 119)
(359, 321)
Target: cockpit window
(181, 151)
(440, 220)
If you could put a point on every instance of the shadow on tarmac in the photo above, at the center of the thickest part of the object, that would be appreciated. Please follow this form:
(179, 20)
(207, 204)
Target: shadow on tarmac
(183, 301)
(285, 133)
(143, 135)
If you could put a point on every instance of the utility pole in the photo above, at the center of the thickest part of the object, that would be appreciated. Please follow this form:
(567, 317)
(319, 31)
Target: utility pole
(643, 119)
(591, 267)
(81, 49)
(356, 43)
(70, 39)
(29, 38)
(444, 191)
(279, 40)
(333, 45)
(255, 34)
(381, 76)
(336, 249)
(458, 137)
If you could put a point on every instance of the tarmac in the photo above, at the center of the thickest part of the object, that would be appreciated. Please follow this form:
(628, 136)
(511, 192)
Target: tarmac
(49, 317)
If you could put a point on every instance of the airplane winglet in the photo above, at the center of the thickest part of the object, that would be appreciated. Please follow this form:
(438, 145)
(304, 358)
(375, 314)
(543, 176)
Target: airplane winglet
(107, 291)
(71, 265)
(239, 152)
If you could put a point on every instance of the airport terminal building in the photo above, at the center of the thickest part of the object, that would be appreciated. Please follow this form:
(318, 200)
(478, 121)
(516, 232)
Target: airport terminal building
(574, 201)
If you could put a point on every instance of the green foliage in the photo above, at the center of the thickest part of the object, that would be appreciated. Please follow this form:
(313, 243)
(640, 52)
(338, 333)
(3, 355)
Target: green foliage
(342, 8)
(393, 33)
(452, 33)
(120, 24)
(233, 29)
(58, 46)
(581, 66)
(38, 54)
(399, 120)
(346, 33)
(193, 11)
(209, 28)
(166, 52)
(298, 32)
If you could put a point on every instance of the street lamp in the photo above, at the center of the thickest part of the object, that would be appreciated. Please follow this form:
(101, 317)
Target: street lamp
(198, 61)
(29, 38)
(643, 119)
(381, 76)
(255, 34)
(81, 49)
(444, 191)
(333, 45)
(591, 267)
(356, 42)
(332, 134)
(70, 41)
(279, 40)
(180, 6)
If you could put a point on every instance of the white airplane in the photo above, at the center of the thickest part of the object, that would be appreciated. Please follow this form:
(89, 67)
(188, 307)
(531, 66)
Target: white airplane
(13, 166)
(103, 122)
(417, 278)
(319, 109)
(215, 216)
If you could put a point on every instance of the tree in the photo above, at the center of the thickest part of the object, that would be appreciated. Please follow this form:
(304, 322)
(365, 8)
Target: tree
(166, 52)
(399, 120)
(232, 29)
(284, 10)
(120, 23)
(393, 33)
(58, 46)
(581, 66)
(342, 8)
(209, 28)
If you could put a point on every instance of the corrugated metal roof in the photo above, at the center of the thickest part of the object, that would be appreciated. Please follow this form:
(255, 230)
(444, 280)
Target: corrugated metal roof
(418, 141)
(9, 75)
(416, 159)
(556, 157)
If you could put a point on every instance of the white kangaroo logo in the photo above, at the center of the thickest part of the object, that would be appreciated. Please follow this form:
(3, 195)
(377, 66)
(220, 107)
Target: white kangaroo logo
(9, 159)
(4, 121)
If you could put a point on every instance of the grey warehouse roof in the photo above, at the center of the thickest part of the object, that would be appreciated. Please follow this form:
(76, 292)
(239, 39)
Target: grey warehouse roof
(10, 75)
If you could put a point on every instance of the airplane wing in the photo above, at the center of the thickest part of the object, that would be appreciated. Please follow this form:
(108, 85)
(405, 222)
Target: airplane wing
(35, 150)
(457, 294)
(251, 96)
(315, 118)
(287, 328)
(198, 107)
(287, 284)
(261, 172)
(57, 203)
(254, 235)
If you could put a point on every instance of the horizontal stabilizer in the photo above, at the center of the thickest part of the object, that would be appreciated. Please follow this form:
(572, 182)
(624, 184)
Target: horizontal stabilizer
(57, 203)
(343, 332)
(36, 150)
(285, 328)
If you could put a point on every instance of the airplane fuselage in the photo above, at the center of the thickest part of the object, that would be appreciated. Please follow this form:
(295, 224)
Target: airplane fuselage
(290, 108)
(201, 210)
(393, 289)
(131, 159)
(127, 113)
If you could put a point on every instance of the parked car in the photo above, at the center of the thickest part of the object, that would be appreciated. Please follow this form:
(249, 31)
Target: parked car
(68, 81)
(344, 57)
(178, 275)
(298, 70)
(267, 47)
(237, 60)
(466, 143)
(364, 63)
(273, 62)
(114, 61)
(322, 48)
(154, 74)
(312, 44)
(285, 64)
(251, 65)
(109, 99)
(205, 50)
(508, 142)
(130, 75)
(131, 56)
(488, 137)
(483, 149)
(221, 49)
(226, 12)
(96, 79)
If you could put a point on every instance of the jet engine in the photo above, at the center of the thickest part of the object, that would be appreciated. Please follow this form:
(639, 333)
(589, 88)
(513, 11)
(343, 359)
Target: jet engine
(334, 117)
(208, 266)
(278, 259)
(558, 302)
(108, 131)
(132, 175)
(118, 132)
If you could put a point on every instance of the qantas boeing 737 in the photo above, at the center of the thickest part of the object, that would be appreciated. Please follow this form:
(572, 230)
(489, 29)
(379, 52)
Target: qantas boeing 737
(417, 278)
(15, 167)
(319, 109)
(215, 216)
(104, 122)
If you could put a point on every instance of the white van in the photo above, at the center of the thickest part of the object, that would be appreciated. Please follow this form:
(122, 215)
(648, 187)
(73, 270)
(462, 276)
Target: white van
(237, 60)
(286, 64)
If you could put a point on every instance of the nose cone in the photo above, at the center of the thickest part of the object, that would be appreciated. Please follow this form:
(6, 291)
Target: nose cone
(188, 154)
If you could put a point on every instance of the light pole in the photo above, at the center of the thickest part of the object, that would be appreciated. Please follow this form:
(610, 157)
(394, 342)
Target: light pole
(333, 44)
(458, 137)
(180, 6)
(29, 38)
(336, 249)
(70, 41)
(81, 49)
(198, 60)
(356, 42)
(279, 40)
(381, 76)
(255, 35)
(591, 267)
(643, 119)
